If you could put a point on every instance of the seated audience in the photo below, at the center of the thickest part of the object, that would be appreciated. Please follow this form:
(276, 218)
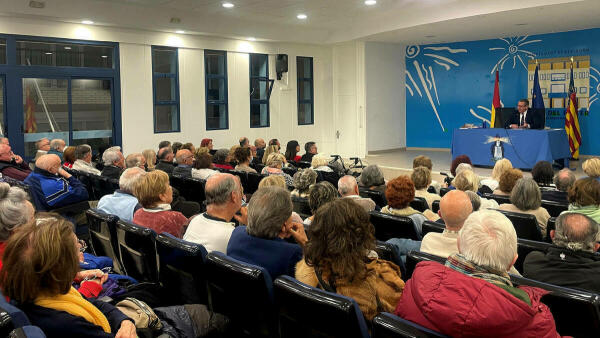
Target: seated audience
(475, 284)
(275, 142)
(310, 149)
(220, 159)
(122, 202)
(189, 146)
(303, 179)
(339, 258)
(584, 198)
(274, 165)
(272, 181)
(421, 177)
(165, 160)
(458, 160)
(176, 146)
(43, 146)
(372, 178)
(150, 156)
(185, 161)
(163, 144)
(203, 167)
(244, 142)
(206, 143)
(41, 260)
(231, 156)
(135, 160)
(213, 228)
(83, 160)
(399, 193)
(260, 145)
(526, 198)
(57, 146)
(12, 165)
(155, 195)
(499, 168)
(563, 180)
(262, 242)
(571, 263)
(543, 174)
(318, 195)
(291, 151)
(507, 181)
(591, 167)
(15, 210)
(270, 150)
(52, 187)
(348, 188)
(114, 163)
(320, 164)
(467, 180)
(69, 157)
(424, 161)
(243, 156)
(475, 200)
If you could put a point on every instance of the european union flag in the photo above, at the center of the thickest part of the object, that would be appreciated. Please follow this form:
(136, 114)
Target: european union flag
(537, 98)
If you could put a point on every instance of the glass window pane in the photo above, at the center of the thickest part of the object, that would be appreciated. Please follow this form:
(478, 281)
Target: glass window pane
(164, 88)
(164, 60)
(258, 65)
(2, 126)
(91, 101)
(259, 115)
(215, 62)
(165, 118)
(2, 51)
(258, 90)
(304, 90)
(40, 53)
(304, 68)
(45, 111)
(216, 116)
(216, 90)
(305, 113)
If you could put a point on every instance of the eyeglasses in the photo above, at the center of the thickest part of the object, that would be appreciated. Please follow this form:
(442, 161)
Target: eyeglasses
(82, 245)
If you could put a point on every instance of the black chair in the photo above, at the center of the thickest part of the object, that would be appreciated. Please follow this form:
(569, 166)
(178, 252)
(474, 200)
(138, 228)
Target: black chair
(554, 208)
(501, 199)
(232, 283)
(435, 206)
(303, 164)
(377, 196)
(301, 206)
(11, 316)
(525, 247)
(429, 226)
(414, 257)
(103, 236)
(443, 191)
(525, 225)
(419, 203)
(243, 175)
(551, 225)
(103, 185)
(484, 189)
(431, 190)
(86, 180)
(253, 182)
(389, 252)
(182, 270)
(390, 226)
(305, 311)
(289, 171)
(387, 325)
(192, 189)
(137, 247)
(576, 313)
(257, 166)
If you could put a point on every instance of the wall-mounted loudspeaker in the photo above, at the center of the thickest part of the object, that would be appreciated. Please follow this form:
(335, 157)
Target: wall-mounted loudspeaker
(281, 66)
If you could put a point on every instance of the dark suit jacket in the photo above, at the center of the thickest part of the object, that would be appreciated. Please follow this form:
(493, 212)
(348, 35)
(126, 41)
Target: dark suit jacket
(307, 157)
(184, 171)
(165, 166)
(112, 171)
(531, 118)
(555, 195)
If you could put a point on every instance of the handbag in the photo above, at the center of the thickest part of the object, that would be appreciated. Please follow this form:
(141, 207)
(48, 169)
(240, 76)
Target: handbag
(143, 316)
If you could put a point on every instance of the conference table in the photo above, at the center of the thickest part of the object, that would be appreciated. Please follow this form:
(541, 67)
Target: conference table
(523, 147)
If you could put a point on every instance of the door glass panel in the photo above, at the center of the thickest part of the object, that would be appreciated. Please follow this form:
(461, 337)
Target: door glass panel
(41, 53)
(216, 116)
(165, 118)
(92, 112)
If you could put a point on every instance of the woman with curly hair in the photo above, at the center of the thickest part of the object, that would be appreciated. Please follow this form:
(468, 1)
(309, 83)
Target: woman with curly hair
(243, 157)
(543, 175)
(507, 181)
(303, 179)
(339, 258)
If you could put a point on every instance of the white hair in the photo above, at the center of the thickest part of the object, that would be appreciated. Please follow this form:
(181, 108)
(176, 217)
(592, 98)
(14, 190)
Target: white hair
(13, 211)
(319, 161)
(57, 143)
(488, 239)
(346, 185)
(111, 155)
(463, 166)
(129, 178)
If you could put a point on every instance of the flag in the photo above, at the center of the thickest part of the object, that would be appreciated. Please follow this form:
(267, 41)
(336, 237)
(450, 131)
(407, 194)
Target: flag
(30, 123)
(495, 101)
(572, 121)
(537, 100)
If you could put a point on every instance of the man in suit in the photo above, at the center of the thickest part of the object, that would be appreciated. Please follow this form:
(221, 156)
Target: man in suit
(524, 118)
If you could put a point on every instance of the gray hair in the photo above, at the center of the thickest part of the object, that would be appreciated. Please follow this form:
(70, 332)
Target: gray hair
(268, 210)
(303, 179)
(576, 232)
(130, 177)
(111, 155)
(319, 194)
(462, 167)
(488, 239)
(372, 176)
(220, 193)
(346, 185)
(564, 179)
(81, 151)
(134, 160)
(220, 156)
(57, 143)
(475, 200)
(526, 194)
(164, 152)
(13, 212)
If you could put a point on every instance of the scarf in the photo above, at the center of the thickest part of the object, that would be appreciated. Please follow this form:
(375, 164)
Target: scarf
(399, 212)
(74, 304)
(459, 263)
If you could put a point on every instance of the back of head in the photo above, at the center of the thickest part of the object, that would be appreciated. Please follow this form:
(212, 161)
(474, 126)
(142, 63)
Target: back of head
(422, 161)
(585, 191)
(244, 141)
(458, 160)
(455, 207)
(275, 160)
(272, 181)
(372, 176)
(241, 154)
(14, 209)
(488, 239)
(129, 178)
(57, 144)
(303, 179)
(526, 195)
(591, 167)
(576, 232)
(268, 210)
(220, 156)
(218, 189)
(133, 160)
(69, 154)
(48, 162)
(466, 180)
(290, 150)
(164, 144)
(421, 177)
(475, 199)
(319, 161)
(462, 167)
(319, 194)
(542, 173)
(500, 167)
(150, 186)
(82, 151)
(182, 155)
(399, 192)
(176, 146)
(564, 179)
(111, 155)
(347, 185)
(189, 146)
(271, 149)
(203, 160)
(508, 179)
(150, 156)
(205, 142)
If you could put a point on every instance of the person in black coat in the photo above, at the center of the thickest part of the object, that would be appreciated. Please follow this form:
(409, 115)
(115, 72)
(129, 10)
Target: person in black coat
(563, 181)
(165, 160)
(524, 118)
(114, 163)
(311, 150)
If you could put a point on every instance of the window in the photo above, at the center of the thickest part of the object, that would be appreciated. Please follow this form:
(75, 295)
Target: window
(165, 78)
(215, 68)
(259, 90)
(63, 54)
(2, 51)
(304, 69)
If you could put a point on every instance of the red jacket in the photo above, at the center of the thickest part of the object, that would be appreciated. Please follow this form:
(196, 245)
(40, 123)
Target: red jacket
(458, 305)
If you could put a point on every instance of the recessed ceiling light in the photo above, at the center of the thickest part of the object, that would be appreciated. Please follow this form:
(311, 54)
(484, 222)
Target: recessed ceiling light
(370, 2)
(48, 53)
(302, 16)
(228, 5)
(87, 22)
(104, 56)
(179, 32)
(251, 39)
(67, 47)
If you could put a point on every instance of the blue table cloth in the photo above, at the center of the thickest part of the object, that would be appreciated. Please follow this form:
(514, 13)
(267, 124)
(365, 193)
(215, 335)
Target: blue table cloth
(523, 147)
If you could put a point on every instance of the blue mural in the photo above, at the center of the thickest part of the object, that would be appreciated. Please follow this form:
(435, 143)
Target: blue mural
(448, 85)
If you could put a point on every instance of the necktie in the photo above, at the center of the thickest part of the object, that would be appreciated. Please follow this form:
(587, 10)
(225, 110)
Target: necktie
(521, 119)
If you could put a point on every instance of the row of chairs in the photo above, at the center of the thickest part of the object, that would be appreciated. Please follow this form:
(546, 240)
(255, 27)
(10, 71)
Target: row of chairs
(418, 203)
(96, 185)
(15, 324)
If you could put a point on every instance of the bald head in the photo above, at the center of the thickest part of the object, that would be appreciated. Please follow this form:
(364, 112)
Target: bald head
(455, 207)
(244, 142)
(50, 163)
(184, 156)
(564, 179)
(259, 143)
(347, 186)
(165, 154)
(4, 140)
(219, 190)
(576, 232)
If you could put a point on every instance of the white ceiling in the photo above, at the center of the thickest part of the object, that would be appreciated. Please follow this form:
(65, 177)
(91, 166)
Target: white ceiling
(329, 21)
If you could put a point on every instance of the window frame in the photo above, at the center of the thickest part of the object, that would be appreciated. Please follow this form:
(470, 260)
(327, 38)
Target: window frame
(300, 80)
(156, 102)
(207, 78)
(260, 101)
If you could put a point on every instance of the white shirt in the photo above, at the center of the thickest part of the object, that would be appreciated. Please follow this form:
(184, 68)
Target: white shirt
(211, 233)
(82, 165)
(203, 174)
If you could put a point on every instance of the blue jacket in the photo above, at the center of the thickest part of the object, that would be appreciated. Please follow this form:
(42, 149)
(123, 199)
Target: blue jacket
(50, 191)
(277, 256)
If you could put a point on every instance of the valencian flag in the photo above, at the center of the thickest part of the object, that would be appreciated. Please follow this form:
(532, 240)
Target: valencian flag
(537, 100)
(30, 102)
(572, 121)
(495, 101)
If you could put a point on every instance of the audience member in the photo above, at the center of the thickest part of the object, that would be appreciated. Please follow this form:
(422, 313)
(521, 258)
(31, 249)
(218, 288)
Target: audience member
(499, 168)
(155, 195)
(69, 157)
(507, 181)
(421, 177)
(291, 151)
(467, 180)
(320, 164)
(458, 160)
(339, 258)
(591, 167)
(303, 179)
(43, 146)
(526, 198)
(318, 195)
(220, 159)
(348, 188)
(52, 187)
(310, 149)
(207, 143)
(203, 167)
(122, 202)
(463, 167)
(274, 165)
(475, 284)
(543, 174)
(15, 210)
(41, 260)
(189, 146)
(584, 198)
(563, 180)
(185, 161)
(83, 160)
(114, 163)
(272, 181)
(150, 156)
(135, 160)
(165, 160)
(570, 262)
(12, 165)
(57, 147)
(475, 200)
(243, 156)
(4, 140)
(244, 142)
(372, 178)
(231, 156)
(260, 145)
(176, 146)
(213, 228)
(163, 144)
(424, 161)
(275, 142)
(272, 149)
(262, 242)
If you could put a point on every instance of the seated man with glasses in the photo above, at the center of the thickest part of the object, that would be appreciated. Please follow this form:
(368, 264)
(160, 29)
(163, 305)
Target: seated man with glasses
(185, 160)
(12, 165)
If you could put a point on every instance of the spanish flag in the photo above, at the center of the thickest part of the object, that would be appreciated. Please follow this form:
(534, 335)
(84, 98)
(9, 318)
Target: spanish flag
(495, 100)
(30, 102)
(572, 121)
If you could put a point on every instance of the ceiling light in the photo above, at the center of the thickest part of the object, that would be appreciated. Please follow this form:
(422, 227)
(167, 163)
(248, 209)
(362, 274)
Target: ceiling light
(370, 2)
(179, 32)
(48, 53)
(67, 47)
(251, 39)
(228, 5)
(104, 56)
(302, 16)
(87, 22)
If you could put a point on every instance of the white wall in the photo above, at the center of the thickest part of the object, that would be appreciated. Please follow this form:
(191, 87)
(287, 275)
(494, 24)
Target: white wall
(386, 96)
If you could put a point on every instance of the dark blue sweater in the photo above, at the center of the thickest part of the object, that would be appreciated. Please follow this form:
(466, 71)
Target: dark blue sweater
(50, 191)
